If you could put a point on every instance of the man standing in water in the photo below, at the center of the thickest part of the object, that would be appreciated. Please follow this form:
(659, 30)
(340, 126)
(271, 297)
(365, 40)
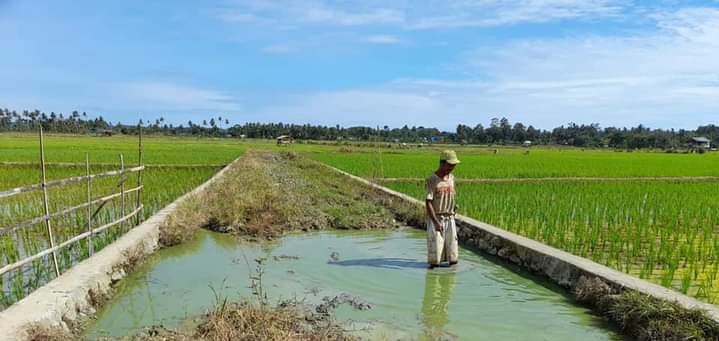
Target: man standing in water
(440, 205)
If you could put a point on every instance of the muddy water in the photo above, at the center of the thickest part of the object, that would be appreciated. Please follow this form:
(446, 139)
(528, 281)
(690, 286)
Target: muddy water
(477, 300)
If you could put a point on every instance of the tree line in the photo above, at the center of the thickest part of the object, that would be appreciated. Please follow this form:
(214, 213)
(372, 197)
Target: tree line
(498, 131)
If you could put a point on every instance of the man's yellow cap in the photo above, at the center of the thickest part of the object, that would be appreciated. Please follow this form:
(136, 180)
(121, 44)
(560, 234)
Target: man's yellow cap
(450, 156)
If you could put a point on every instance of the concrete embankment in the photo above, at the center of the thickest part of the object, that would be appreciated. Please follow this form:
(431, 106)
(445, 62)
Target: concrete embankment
(561, 267)
(69, 298)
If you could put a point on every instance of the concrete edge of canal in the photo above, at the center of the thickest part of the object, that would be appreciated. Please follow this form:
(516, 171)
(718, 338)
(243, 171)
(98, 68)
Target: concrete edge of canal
(559, 266)
(69, 298)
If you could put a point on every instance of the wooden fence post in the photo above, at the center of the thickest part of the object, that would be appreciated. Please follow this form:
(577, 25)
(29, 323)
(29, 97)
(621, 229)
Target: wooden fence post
(46, 205)
(122, 188)
(139, 176)
(90, 245)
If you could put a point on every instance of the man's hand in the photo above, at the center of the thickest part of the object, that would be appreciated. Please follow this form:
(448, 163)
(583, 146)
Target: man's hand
(432, 216)
(437, 226)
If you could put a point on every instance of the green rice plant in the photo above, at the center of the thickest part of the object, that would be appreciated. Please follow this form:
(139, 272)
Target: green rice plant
(663, 231)
(481, 162)
(159, 150)
(162, 184)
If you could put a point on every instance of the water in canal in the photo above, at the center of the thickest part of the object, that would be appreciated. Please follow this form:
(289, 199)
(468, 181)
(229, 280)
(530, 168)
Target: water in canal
(476, 300)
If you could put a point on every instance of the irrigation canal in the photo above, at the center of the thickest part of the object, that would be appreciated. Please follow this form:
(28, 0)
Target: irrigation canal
(477, 300)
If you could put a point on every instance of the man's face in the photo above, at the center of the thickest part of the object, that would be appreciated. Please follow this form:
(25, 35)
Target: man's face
(446, 168)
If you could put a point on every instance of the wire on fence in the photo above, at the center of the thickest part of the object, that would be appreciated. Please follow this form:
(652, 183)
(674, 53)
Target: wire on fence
(33, 221)
(66, 181)
(88, 178)
(66, 243)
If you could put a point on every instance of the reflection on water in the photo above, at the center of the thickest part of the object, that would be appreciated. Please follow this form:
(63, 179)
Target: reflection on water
(477, 299)
(438, 287)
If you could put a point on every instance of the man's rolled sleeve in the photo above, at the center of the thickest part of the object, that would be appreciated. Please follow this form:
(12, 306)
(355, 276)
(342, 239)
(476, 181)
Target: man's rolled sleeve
(430, 189)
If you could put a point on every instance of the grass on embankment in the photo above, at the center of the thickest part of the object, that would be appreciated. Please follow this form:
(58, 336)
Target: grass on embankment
(645, 318)
(267, 194)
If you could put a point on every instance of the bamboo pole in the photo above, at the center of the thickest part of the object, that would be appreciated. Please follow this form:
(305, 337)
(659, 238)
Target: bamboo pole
(122, 187)
(46, 205)
(66, 243)
(33, 221)
(90, 245)
(139, 174)
(66, 181)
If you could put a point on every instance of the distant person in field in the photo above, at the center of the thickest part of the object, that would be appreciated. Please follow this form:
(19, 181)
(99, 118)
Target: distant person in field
(440, 205)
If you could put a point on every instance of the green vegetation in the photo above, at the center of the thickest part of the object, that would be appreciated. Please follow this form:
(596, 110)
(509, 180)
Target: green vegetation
(499, 131)
(517, 162)
(162, 184)
(645, 318)
(661, 231)
(157, 150)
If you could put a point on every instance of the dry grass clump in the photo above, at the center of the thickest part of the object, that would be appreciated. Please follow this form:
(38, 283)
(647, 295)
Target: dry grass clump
(132, 258)
(97, 297)
(645, 318)
(43, 332)
(181, 225)
(255, 199)
(249, 322)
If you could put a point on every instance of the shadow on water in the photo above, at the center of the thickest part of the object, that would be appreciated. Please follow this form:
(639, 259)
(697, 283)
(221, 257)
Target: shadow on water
(385, 263)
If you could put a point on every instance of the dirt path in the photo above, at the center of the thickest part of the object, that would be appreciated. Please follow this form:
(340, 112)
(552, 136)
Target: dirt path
(561, 178)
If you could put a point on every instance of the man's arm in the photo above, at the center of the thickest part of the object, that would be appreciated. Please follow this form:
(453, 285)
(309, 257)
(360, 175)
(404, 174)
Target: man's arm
(432, 215)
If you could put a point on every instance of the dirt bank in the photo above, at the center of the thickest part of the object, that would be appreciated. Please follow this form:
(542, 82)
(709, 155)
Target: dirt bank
(268, 194)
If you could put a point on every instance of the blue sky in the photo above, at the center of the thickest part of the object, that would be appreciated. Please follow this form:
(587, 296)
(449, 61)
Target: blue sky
(431, 63)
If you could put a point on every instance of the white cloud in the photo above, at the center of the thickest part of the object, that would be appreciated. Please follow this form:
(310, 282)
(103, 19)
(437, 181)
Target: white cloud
(430, 14)
(668, 78)
(158, 95)
(383, 39)
(321, 15)
(277, 49)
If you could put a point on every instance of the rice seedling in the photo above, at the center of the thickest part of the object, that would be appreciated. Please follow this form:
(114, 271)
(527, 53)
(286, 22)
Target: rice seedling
(661, 231)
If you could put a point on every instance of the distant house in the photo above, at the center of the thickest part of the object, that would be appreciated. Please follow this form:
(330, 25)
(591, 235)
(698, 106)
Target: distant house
(699, 142)
(103, 132)
(527, 143)
(284, 139)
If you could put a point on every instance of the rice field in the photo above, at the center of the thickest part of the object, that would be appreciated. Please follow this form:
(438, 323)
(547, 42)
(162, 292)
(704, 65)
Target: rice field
(175, 166)
(482, 162)
(158, 150)
(665, 231)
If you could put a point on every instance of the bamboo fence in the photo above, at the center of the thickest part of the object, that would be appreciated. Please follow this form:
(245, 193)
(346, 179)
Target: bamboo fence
(97, 203)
